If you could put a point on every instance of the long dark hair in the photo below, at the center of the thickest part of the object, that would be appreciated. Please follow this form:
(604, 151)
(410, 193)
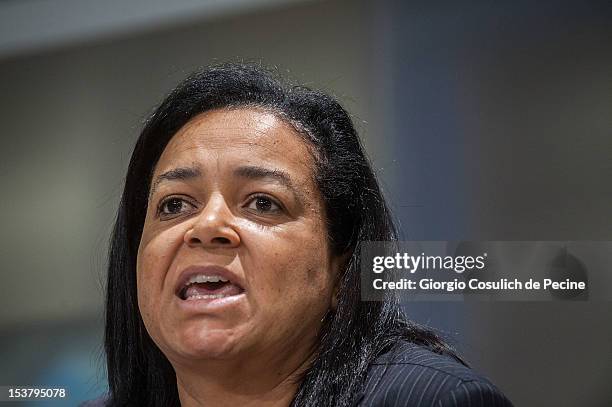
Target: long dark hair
(354, 334)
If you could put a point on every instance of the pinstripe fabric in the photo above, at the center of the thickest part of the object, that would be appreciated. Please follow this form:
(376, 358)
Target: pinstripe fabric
(412, 376)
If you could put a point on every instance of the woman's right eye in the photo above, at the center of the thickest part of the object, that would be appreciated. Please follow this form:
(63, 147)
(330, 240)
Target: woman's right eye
(173, 206)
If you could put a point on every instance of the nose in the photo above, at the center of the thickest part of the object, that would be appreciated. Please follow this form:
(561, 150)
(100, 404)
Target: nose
(213, 227)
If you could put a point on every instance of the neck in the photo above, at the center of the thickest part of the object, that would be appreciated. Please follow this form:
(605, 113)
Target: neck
(272, 382)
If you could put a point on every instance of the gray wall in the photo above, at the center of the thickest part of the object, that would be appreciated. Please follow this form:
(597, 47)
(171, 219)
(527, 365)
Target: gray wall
(504, 127)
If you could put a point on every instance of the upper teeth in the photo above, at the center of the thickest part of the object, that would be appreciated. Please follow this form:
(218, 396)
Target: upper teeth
(201, 278)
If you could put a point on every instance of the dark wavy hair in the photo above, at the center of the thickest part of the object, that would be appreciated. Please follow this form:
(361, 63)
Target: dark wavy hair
(354, 334)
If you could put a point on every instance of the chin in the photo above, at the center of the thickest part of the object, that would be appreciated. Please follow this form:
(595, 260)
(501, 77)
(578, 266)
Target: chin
(206, 343)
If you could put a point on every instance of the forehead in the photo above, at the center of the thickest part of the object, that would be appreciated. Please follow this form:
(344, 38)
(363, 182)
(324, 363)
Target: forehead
(246, 135)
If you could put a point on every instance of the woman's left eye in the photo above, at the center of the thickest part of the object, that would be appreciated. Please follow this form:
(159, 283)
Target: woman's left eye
(263, 204)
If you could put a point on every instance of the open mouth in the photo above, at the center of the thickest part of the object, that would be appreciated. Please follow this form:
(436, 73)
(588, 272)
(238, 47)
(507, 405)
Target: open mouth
(208, 287)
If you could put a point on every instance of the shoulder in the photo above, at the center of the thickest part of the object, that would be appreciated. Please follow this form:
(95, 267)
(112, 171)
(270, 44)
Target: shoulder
(411, 375)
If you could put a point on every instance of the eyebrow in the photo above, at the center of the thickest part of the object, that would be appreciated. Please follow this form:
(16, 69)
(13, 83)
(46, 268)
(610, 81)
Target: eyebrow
(175, 174)
(256, 172)
(249, 172)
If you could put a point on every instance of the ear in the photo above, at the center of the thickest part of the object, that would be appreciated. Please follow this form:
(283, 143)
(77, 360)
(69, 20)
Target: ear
(339, 264)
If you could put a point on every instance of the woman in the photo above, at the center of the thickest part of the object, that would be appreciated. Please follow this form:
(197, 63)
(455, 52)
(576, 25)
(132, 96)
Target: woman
(234, 262)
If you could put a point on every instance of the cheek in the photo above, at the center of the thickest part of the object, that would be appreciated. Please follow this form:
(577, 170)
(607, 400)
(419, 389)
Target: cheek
(155, 256)
(291, 271)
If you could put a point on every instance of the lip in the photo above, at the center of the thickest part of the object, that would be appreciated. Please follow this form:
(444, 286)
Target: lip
(212, 270)
(211, 305)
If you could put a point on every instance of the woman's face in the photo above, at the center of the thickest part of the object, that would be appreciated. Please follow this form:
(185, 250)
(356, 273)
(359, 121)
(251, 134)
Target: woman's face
(234, 259)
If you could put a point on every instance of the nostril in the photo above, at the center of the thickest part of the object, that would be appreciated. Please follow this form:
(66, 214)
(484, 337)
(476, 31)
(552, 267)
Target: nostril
(221, 240)
(195, 241)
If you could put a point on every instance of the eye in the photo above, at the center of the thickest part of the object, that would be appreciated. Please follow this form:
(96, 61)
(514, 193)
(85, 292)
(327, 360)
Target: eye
(173, 206)
(264, 204)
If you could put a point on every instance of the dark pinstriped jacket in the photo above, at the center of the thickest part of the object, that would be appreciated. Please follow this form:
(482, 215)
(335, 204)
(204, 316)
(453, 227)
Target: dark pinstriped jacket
(412, 376)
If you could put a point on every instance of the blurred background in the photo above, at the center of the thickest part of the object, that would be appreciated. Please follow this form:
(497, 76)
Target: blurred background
(485, 121)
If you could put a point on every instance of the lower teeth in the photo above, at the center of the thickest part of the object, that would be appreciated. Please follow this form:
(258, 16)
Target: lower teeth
(205, 297)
